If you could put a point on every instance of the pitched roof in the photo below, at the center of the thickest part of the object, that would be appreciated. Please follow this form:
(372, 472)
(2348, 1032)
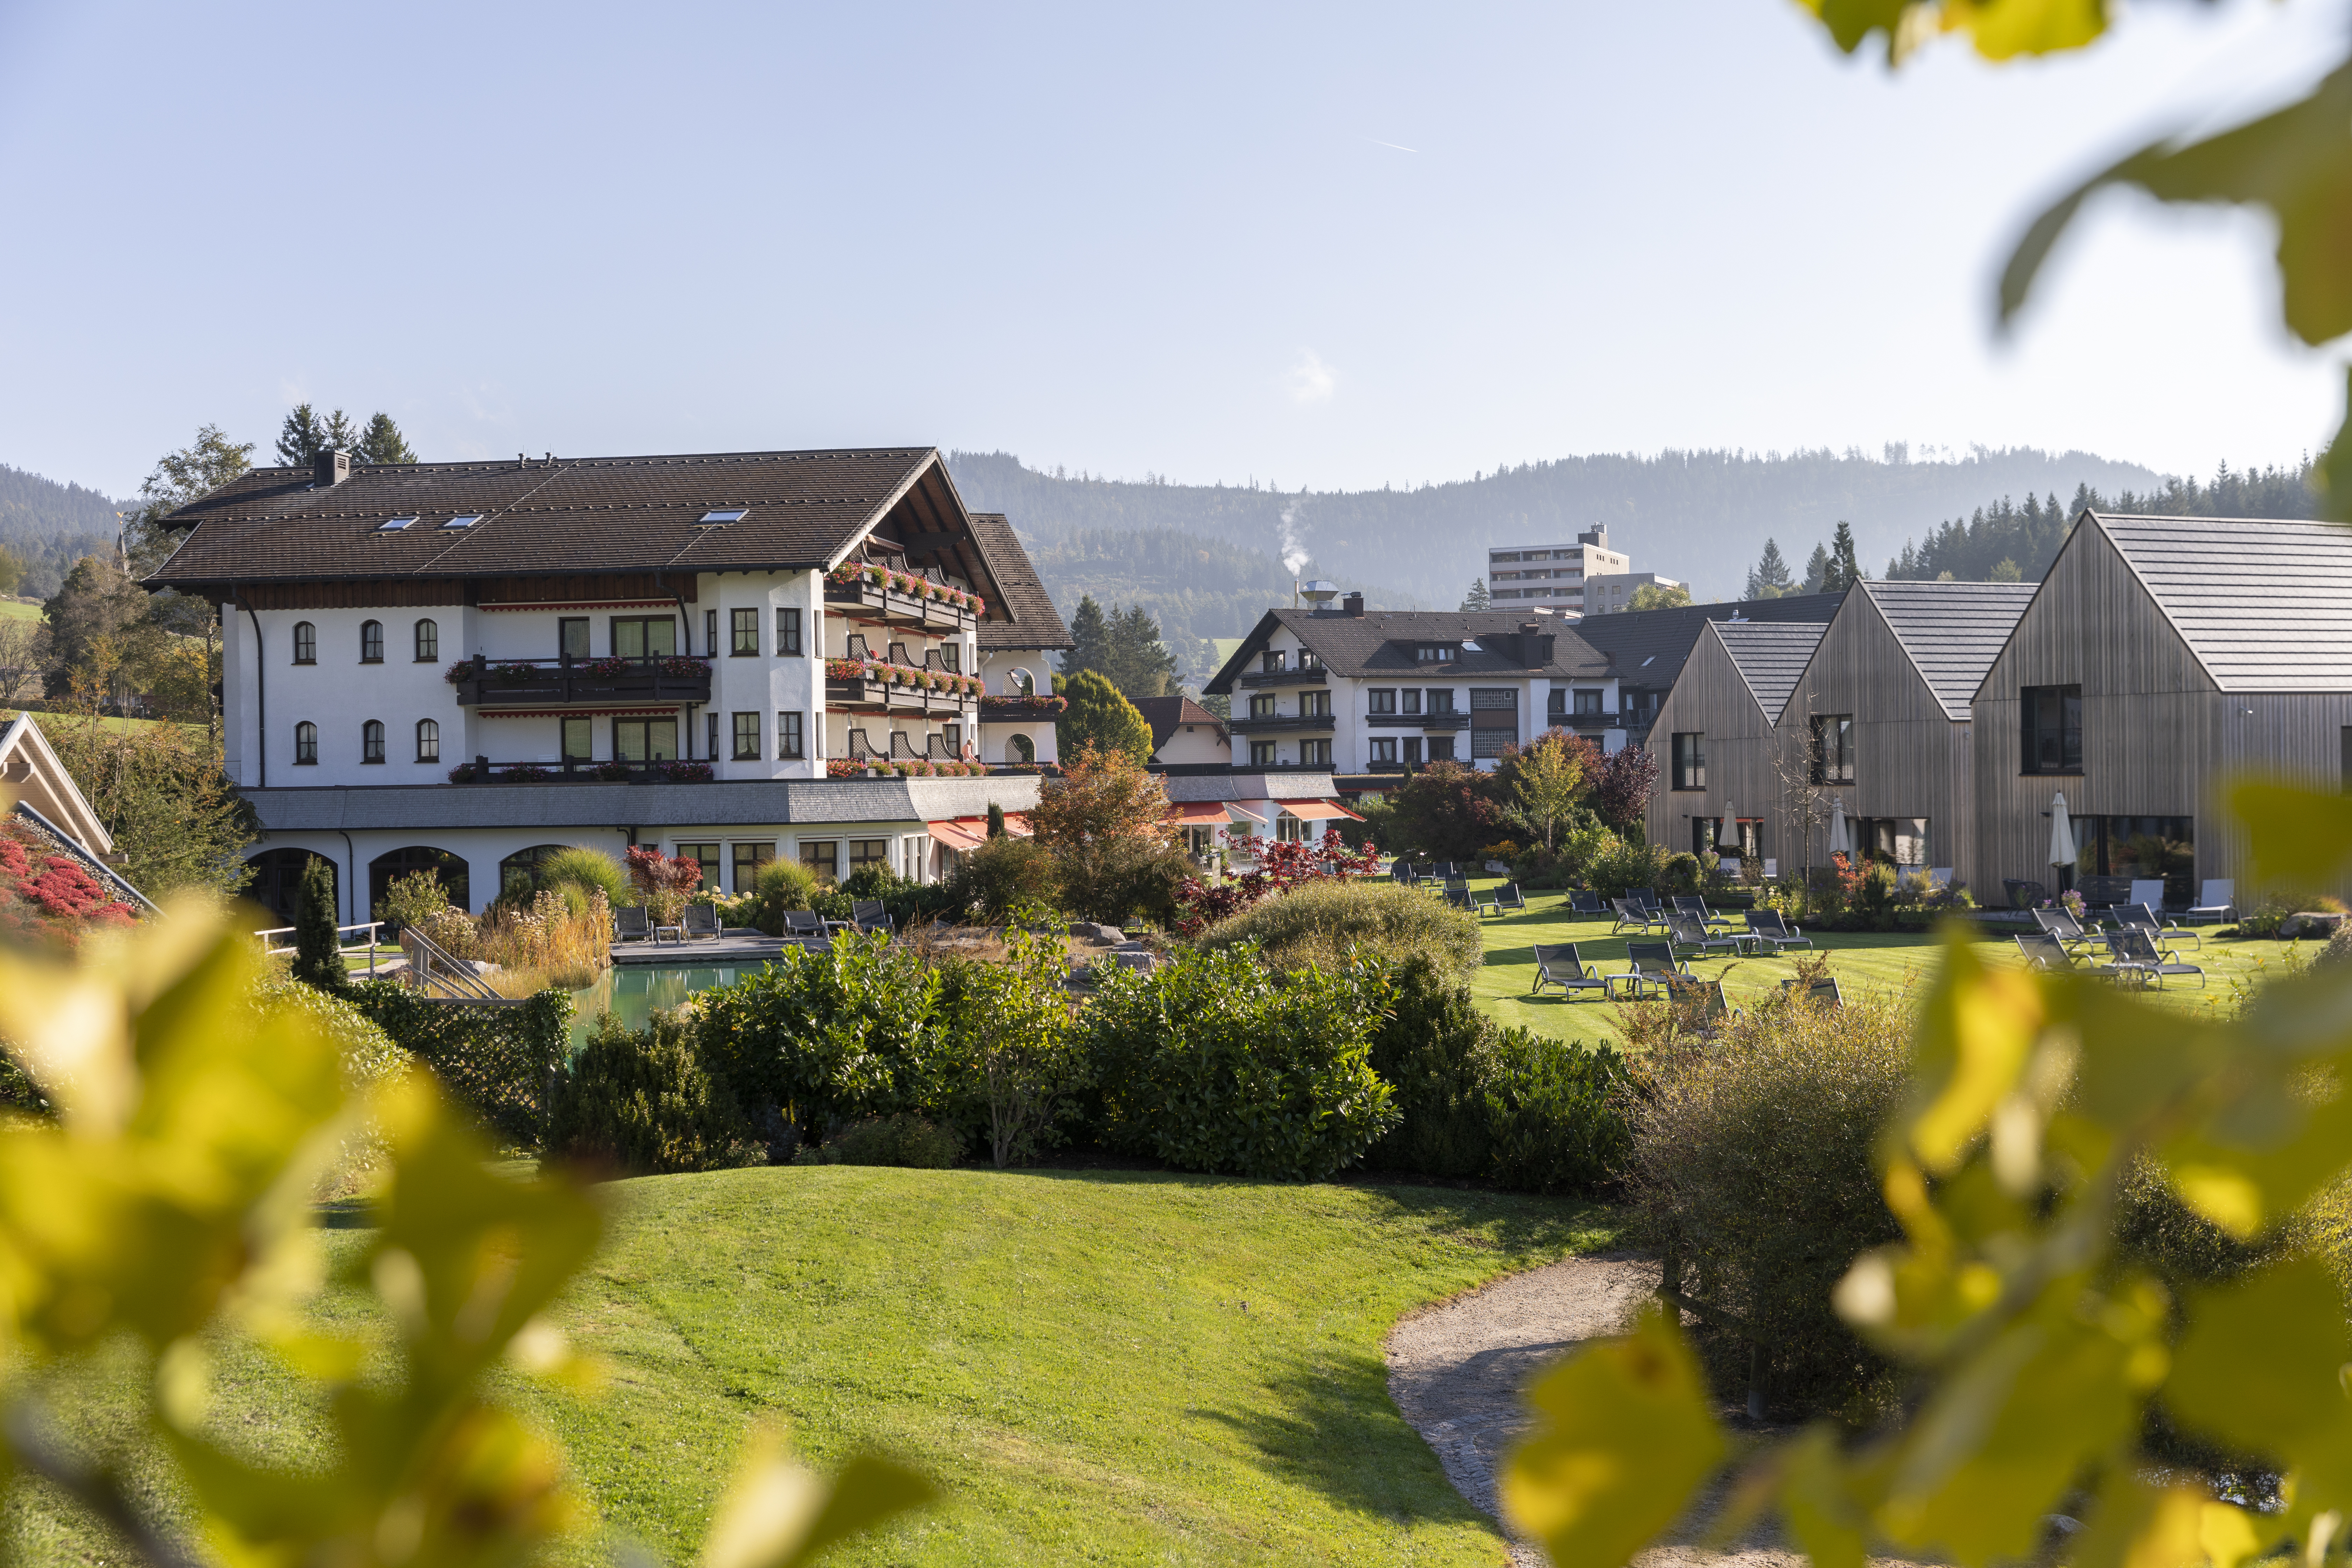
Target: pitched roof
(1036, 624)
(2264, 604)
(1382, 643)
(33, 770)
(1164, 713)
(1650, 646)
(1953, 631)
(312, 808)
(564, 515)
(1770, 655)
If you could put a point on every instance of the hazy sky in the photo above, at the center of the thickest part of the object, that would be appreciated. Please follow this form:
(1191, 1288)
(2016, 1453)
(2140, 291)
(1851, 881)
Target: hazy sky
(1333, 246)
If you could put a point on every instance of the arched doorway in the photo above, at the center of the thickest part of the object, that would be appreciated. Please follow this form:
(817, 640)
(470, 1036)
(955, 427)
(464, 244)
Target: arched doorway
(519, 872)
(276, 884)
(448, 868)
(1019, 749)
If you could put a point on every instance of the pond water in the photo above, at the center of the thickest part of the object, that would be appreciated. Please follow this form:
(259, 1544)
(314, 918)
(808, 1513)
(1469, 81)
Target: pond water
(636, 991)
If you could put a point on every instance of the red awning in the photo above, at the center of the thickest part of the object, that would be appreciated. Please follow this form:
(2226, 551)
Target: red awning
(1246, 815)
(958, 836)
(1314, 810)
(1017, 823)
(1198, 812)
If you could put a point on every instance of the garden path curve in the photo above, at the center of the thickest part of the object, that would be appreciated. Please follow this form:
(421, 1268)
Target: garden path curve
(1455, 1370)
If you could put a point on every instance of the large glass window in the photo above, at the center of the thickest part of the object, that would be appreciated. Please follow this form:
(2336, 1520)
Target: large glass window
(306, 643)
(644, 637)
(644, 740)
(370, 642)
(1270, 661)
(2053, 741)
(749, 859)
(822, 856)
(1833, 749)
(1439, 700)
(705, 856)
(743, 628)
(519, 872)
(2140, 846)
(865, 852)
(1441, 749)
(1896, 840)
(1690, 760)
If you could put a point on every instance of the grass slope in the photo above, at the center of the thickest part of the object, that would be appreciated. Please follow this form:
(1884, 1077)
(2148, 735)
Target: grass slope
(1101, 1367)
(1868, 959)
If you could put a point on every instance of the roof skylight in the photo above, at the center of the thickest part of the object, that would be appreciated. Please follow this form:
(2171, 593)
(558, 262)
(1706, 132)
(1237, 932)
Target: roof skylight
(736, 514)
(394, 525)
(466, 520)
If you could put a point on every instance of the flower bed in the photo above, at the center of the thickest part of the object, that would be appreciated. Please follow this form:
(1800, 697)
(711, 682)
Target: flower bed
(1017, 702)
(913, 588)
(918, 768)
(45, 894)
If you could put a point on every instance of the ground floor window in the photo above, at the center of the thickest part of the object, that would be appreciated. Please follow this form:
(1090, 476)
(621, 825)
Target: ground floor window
(1896, 841)
(1288, 829)
(749, 859)
(276, 884)
(865, 852)
(705, 856)
(645, 739)
(1707, 838)
(822, 856)
(519, 872)
(447, 870)
(2143, 848)
(1201, 843)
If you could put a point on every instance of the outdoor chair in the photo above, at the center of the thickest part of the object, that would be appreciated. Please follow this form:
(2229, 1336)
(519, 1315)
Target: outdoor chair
(1650, 964)
(868, 915)
(1689, 906)
(1690, 932)
(1647, 898)
(1560, 965)
(2047, 954)
(629, 924)
(2216, 902)
(1705, 996)
(1825, 991)
(2023, 895)
(2135, 947)
(2065, 927)
(1400, 872)
(1629, 914)
(1509, 897)
(1766, 928)
(1447, 869)
(702, 920)
(2104, 892)
(2149, 892)
(804, 923)
(1939, 877)
(2144, 918)
(1587, 903)
(1458, 896)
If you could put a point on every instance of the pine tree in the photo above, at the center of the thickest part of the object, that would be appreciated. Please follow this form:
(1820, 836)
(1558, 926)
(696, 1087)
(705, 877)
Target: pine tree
(1844, 568)
(318, 956)
(1817, 569)
(1475, 599)
(1141, 664)
(382, 442)
(995, 820)
(1769, 578)
(338, 433)
(300, 438)
(1090, 645)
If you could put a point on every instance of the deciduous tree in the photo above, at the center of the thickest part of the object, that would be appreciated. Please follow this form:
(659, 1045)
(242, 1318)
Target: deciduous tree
(1100, 717)
(1657, 596)
(1550, 780)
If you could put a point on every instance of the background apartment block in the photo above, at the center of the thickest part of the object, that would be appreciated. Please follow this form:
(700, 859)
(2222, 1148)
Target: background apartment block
(1562, 577)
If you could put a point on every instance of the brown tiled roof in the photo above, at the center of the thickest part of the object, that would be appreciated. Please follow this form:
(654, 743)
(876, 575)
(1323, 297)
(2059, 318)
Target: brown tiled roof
(1384, 643)
(1035, 623)
(563, 515)
(1164, 713)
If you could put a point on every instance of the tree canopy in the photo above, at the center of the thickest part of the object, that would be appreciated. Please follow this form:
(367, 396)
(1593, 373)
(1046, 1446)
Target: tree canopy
(1101, 717)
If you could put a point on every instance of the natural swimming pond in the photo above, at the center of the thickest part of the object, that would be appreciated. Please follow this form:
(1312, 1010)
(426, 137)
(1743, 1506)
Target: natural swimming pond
(636, 991)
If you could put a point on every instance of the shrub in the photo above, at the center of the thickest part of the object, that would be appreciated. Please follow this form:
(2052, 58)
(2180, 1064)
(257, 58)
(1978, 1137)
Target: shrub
(413, 899)
(1679, 873)
(1004, 873)
(661, 882)
(907, 1140)
(1873, 895)
(1444, 811)
(562, 938)
(318, 948)
(590, 871)
(849, 1034)
(1554, 1120)
(1434, 1050)
(1625, 864)
(1751, 1165)
(1011, 1023)
(498, 1061)
(1315, 923)
(1216, 1062)
(781, 885)
(639, 1102)
(1108, 880)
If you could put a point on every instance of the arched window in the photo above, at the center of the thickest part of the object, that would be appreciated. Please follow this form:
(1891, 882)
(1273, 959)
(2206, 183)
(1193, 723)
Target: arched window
(519, 872)
(306, 643)
(447, 869)
(429, 642)
(1022, 682)
(370, 642)
(428, 741)
(1019, 749)
(276, 884)
(372, 742)
(306, 743)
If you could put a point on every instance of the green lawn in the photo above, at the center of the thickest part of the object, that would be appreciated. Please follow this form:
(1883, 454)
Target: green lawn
(1101, 1367)
(1861, 960)
(51, 724)
(20, 609)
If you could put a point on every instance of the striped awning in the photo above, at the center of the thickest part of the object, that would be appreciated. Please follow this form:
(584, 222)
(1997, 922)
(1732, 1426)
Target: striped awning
(959, 836)
(1316, 810)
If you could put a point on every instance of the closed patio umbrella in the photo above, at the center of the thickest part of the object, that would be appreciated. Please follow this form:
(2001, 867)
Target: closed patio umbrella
(2061, 833)
(1728, 838)
(1841, 841)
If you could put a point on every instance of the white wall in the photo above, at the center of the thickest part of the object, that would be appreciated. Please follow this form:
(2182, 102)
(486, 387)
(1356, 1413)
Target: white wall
(996, 679)
(766, 683)
(1194, 743)
(339, 694)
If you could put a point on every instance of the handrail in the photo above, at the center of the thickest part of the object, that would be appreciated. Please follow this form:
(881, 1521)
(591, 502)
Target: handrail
(422, 951)
(341, 948)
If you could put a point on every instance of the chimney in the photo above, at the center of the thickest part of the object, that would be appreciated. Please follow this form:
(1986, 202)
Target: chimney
(1353, 605)
(330, 468)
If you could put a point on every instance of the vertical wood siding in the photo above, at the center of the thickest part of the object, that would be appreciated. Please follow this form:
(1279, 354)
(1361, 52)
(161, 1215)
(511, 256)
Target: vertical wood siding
(1710, 696)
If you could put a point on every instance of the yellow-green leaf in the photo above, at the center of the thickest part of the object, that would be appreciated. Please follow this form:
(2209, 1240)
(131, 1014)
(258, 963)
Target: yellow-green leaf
(2004, 29)
(2134, 1525)
(2293, 834)
(1624, 1438)
(2259, 1370)
(779, 1514)
(1976, 1034)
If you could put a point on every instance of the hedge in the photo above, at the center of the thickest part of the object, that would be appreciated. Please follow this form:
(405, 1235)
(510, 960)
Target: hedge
(500, 1061)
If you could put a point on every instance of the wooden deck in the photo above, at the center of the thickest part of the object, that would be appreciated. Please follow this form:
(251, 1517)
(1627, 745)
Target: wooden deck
(734, 947)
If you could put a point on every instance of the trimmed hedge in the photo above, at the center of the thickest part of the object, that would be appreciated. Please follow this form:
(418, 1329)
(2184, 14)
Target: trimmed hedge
(500, 1061)
(638, 1101)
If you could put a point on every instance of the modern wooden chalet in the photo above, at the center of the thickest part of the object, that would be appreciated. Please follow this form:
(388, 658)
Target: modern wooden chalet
(738, 656)
(2160, 657)
(1717, 737)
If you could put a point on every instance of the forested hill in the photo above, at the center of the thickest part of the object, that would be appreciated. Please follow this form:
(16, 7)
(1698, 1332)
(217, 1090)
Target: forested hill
(50, 526)
(1699, 516)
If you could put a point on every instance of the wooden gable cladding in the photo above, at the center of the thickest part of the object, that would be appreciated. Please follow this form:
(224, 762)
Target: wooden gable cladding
(931, 527)
(401, 593)
(1911, 758)
(2159, 738)
(584, 587)
(1712, 697)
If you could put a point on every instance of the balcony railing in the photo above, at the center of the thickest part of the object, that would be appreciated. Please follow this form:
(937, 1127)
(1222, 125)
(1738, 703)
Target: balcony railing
(672, 678)
(578, 770)
(879, 695)
(1014, 708)
(1267, 724)
(897, 599)
(1452, 718)
(1314, 677)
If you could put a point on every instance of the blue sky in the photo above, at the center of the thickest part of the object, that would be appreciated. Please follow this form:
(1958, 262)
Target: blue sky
(1323, 246)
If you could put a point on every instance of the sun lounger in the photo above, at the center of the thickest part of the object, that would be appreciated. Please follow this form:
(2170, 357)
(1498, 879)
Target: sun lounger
(2148, 892)
(1689, 906)
(1647, 898)
(1587, 903)
(2216, 902)
(2065, 927)
(2135, 947)
(1510, 897)
(1689, 933)
(1705, 996)
(1768, 928)
(1649, 963)
(1629, 914)
(2145, 918)
(2047, 954)
(1560, 965)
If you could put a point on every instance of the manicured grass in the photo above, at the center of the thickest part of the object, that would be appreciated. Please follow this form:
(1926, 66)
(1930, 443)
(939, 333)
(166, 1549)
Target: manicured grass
(1100, 1367)
(20, 609)
(51, 724)
(1861, 960)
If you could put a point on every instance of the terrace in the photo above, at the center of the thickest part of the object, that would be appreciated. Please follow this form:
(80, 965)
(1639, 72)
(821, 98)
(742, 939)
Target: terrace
(509, 682)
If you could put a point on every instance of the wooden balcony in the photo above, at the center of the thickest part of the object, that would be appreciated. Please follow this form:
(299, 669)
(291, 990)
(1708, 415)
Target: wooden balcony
(862, 600)
(1262, 678)
(562, 682)
(872, 695)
